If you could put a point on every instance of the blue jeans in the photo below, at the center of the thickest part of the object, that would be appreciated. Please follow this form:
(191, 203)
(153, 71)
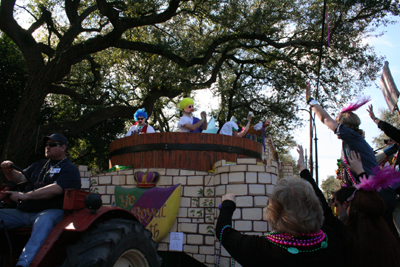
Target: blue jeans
(42, 223)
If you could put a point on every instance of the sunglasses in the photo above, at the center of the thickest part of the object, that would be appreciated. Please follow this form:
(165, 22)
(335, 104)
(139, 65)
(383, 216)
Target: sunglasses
(190, 106)
(140, 119)
(52, 144)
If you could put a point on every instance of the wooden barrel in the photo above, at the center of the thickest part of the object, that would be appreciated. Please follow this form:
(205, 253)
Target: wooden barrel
(192, 151)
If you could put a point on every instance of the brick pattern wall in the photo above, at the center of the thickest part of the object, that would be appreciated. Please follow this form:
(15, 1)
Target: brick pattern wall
(201, 195)
(286, 170)
(252, 184)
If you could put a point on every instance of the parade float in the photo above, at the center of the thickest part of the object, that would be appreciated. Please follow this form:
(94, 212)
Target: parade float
(174, 184)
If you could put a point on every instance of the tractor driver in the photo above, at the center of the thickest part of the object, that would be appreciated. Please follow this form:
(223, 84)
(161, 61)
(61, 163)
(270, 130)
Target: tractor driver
(41, 208)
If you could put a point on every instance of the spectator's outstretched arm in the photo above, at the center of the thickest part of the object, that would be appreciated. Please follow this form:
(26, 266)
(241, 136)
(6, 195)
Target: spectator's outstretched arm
(300, 162)
(321, 113)
(324, 117)
(388, 129)
(372, 115)
(306, 175)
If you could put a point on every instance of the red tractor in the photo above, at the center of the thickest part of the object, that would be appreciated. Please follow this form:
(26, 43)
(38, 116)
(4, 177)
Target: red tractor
(94, 235)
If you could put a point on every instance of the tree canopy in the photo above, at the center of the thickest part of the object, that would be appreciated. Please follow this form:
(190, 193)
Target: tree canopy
(330, 185)
(104, 59)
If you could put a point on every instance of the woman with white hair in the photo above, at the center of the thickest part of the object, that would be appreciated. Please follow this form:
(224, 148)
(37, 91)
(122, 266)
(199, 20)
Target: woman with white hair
(300, 237)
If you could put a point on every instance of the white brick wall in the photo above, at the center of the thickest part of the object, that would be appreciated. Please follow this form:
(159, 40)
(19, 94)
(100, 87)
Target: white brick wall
(252, 214)
(244, 201)
(180, 180)
(188, 227)
(237, 189)
(236, 177)
(195, 180)
(251, 183)
(264, 178)
(255, 189)
(195, 239)
(105, 179)
(251, 177)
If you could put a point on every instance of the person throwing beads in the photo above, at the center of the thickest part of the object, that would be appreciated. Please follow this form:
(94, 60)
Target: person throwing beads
(233, 128)
(188, 123)
(140, 126)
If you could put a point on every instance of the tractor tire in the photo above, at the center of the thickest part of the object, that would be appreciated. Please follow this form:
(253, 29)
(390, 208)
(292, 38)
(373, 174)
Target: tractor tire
(114, 243)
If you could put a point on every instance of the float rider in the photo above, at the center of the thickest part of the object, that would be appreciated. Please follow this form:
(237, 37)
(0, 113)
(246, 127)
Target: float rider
(140, 126)
(189, 123)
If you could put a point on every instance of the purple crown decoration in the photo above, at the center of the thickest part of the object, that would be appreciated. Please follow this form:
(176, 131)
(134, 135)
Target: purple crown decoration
(147, 179)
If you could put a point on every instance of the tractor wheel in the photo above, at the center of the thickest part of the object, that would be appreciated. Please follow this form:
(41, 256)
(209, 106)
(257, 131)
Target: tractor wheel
(117, 243)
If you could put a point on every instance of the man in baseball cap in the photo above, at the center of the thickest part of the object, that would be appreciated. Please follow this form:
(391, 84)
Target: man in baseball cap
(56, 137)
(41, 203)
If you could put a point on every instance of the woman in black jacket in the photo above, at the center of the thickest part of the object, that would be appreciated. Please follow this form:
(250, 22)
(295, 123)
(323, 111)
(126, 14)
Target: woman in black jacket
(301, 236)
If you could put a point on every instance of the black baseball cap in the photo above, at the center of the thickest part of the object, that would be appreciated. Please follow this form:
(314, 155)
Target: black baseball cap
(57, 137)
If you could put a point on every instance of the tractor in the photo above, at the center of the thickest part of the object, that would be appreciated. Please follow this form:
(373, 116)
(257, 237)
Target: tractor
(89, 235)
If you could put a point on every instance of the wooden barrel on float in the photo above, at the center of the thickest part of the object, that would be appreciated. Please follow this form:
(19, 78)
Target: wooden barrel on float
(192, 151)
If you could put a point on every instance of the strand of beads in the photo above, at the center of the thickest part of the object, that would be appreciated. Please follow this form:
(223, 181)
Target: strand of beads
(305, 240)
(48, 171)
(220, 247)
(302, 241)
(348, 171)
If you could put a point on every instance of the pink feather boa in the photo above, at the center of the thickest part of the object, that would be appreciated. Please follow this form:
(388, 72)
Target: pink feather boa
(383, 178)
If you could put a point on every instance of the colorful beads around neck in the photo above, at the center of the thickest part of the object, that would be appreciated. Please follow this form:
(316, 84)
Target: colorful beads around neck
(295, 244)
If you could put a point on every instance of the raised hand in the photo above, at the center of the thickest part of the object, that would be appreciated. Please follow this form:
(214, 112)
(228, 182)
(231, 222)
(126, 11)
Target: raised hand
(371, 112)
(203, 115)
(355, 163)
(300, 162)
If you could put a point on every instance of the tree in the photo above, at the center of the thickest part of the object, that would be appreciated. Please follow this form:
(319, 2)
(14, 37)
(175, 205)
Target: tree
(330, 185)
(107, 58)
(12, 81)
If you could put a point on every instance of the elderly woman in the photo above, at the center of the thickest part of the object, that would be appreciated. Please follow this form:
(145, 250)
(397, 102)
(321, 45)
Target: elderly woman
(300, 237)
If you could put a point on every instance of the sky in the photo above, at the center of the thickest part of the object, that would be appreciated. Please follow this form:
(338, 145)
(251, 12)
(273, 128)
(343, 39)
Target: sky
(329, 147)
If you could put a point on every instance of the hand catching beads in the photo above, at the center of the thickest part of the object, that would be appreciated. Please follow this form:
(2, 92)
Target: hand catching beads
(371, 112)
(300, 162)
(355, 163)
